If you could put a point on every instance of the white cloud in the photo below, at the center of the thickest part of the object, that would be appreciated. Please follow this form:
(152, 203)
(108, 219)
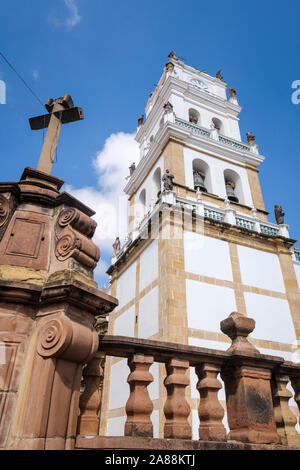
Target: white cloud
(35, 74)
(110, 202)
(70, 21)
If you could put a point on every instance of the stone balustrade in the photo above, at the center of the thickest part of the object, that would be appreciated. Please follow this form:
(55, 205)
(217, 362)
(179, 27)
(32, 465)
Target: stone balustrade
(255, 388)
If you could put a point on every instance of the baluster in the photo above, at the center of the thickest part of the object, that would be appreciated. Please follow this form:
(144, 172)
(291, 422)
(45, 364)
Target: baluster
(210, 410)
(295, 381)
(90, 399)
(284, 417)
(139, 405)
(176, 408)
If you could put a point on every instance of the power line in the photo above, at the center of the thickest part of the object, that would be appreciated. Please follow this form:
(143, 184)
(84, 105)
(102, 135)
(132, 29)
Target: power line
(27, 86)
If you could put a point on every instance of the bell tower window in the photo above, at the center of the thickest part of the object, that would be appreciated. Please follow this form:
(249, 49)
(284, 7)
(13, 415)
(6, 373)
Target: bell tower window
(193, 116)
(233, 186)
(217, 124)
(156, 184)
(201, 175)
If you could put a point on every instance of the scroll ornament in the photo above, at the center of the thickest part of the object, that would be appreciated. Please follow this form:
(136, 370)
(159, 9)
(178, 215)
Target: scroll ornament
(74, 231)
(67, 339)
(4, 210)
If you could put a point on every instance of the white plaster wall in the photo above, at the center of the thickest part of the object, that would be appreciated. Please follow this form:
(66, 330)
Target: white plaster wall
(148, 186)
(208, 305)
(207, 256)
(272, 317)
(153, 388)
(148, 323)
(149, 265)
(124, 324)
(217, 168)
(126, 286)
(260, 269)
(297, 271)
(208, 343)
(115, 426)
(119, 388)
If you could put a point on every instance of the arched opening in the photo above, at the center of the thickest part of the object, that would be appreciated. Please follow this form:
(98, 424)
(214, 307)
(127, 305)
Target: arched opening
(218, 125)
(194, 116)
(141, 206)
(201, 175)
(233, 186)
(156, 184)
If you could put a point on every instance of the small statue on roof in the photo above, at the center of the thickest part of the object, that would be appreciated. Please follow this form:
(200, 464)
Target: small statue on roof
(172, 55)
(140, 120)
(232, 93)
(116, 246)
(219, 75)
(279, 214)
(168, 107)
(167, 180)
(132, 168)
(250, 138)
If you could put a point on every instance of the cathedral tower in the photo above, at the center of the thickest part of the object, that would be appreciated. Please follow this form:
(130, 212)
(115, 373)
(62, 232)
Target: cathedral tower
(199, 243)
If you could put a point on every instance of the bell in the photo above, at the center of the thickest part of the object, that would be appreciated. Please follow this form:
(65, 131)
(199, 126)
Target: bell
(199, 181)
(230, 191)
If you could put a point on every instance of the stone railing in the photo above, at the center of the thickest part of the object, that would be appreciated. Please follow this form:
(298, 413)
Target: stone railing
(197, 207)
(255, 387)
(192, 127)
(212, 133)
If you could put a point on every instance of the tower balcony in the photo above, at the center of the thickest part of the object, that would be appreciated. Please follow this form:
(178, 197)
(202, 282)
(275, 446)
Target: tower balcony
(202, 212)
(213, 134)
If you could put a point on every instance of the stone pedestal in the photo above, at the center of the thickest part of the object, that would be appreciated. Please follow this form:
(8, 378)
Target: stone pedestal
(48, 304)
(247, 378)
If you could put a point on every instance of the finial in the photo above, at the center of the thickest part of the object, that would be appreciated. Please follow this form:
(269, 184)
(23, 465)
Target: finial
(172, 55)
(238, 327)
(218, 74)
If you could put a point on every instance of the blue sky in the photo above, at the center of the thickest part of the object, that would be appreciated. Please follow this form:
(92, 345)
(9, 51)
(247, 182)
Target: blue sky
(110, 55)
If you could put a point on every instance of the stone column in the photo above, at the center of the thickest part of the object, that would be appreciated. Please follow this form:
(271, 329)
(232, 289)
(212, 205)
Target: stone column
(64, 340)
(176, 408)
(247, 377)
(90, 399)
(139, 405)
(284, 417)
(211, 411)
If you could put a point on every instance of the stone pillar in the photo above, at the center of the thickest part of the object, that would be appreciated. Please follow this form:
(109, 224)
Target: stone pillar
(247, 379)
(90, 399)
(64, 341)
(139, 405)
(211, 411)
(284, 417)
(295, 381)
(176, 408)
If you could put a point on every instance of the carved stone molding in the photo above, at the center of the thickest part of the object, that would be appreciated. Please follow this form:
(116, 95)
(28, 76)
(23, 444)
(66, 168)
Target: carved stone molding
(74, 230)
(77, 220)
(4, 210)
(67, 339)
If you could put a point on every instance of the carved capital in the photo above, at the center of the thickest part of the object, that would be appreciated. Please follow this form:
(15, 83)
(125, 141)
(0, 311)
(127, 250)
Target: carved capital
(4, 210)
(62, 337)
(78, 220)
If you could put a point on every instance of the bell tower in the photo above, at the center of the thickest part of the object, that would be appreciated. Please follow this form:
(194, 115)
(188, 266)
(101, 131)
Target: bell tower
(199, 242)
